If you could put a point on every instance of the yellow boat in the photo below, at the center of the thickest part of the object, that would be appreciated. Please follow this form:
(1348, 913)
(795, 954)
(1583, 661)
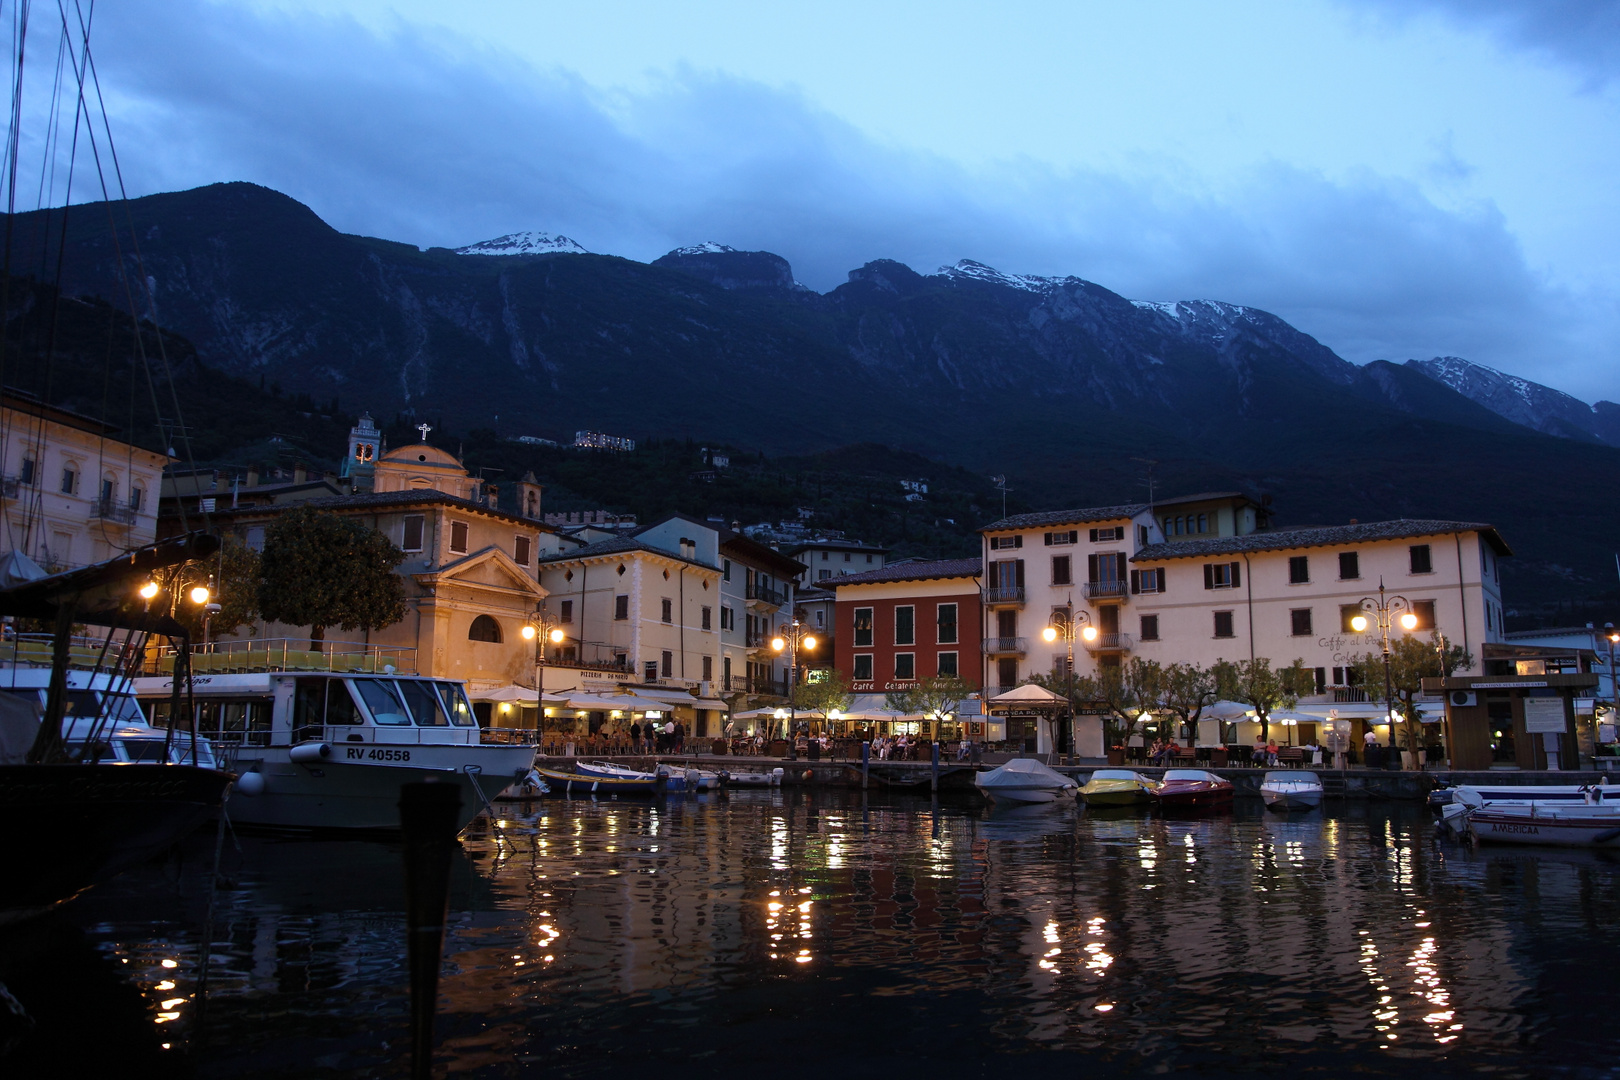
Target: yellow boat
(1116, 787)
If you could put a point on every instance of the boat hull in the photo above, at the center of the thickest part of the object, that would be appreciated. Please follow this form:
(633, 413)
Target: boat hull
(1292, 800)
(357, 793)
(1026, 796)
(1171, 796)
(1133, 796)
(65, 828)
(1569, 829)
(563, 782)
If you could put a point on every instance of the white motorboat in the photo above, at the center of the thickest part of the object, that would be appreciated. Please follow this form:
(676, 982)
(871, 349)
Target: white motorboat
(1558, 825)
(1296, 790)
(755, 779)
(1534, 794)
(324, 740)
(1025, 780)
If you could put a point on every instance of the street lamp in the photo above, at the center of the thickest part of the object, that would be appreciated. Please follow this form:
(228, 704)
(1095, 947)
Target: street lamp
(1385, 612)
(1065, 628)
(793, 637)
(1614, 688)
(539, 631)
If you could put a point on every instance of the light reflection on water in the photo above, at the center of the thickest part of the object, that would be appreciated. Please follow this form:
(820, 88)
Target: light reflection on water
(804, 931)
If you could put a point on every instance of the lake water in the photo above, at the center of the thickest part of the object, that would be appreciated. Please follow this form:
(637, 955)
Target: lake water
(811, 934)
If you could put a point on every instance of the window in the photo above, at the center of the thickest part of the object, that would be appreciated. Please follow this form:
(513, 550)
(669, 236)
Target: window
(70, 479)
(946, 624)
(667, 664)
(1060, 570)
(1106, 566)
(947, 665)
(1223, 624)
(1349, 565)
(621, 608)
(1007, 574)
(1299, 620)
(726, 570)
(1348, 612)
(650, 671)
(109, 490)
(823, 575)
(846, 556)
(1150, 628)
(905, 665)
(863, 668)
(1226, 575)
(819, 622)
(485, 628)
(565, 611)
(728, 618)
(666, 609)
(136, 497)
(1004, 543)
(26, 473)
(1321, 679)
(708, 668)
(823, 556)
(869, 558)
(708, 620)
(458, 537)
(520, 551)
(1054, 539)
(412, 538)
(1148, 581)
(1422, 561)
(1424, 610)
(905, 625)
(1103, 536)
(863, 626)
(1299, 570)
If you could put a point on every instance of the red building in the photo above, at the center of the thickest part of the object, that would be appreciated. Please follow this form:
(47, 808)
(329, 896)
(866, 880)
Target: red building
(906, 622)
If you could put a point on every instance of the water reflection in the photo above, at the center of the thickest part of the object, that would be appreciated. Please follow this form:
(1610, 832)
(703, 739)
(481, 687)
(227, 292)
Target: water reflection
(807, 930)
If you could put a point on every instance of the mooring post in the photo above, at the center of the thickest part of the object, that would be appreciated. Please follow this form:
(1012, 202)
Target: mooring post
(427, 816)
(933, 784)
(866, 762)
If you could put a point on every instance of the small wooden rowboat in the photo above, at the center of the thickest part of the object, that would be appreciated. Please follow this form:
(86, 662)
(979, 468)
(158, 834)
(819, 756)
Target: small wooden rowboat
(570, 782)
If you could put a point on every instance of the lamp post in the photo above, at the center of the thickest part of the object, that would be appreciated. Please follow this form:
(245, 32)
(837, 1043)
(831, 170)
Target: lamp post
(793, 637)
(1386, 610)
(1614, 687)
(1071, 622)
(539, 631)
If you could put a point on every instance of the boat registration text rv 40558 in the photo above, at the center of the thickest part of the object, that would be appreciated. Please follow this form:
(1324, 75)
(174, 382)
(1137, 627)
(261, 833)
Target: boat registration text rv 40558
(323, 739)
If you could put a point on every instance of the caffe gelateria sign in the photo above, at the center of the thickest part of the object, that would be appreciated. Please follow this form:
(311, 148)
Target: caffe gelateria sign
(871, 686)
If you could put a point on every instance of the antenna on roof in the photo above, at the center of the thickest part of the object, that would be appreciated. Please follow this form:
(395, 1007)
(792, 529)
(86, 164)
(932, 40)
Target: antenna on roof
(1001, 486)
(1149, 462)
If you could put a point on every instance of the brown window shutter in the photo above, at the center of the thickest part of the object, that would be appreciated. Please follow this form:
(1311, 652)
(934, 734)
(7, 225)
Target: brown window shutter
(1136, 582)
(1091, 567)
(1237, 576)
(1209, 575)
(1122, 564)
(1020, 572)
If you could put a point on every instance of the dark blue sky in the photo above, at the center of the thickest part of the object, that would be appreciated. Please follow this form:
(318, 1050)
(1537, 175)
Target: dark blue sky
(1399, 178)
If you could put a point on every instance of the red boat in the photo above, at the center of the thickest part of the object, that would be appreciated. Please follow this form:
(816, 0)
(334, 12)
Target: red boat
(1192, 787)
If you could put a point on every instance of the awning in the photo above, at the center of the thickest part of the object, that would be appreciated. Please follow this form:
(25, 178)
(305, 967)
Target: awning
(1028, 694)
(1225, 710)
(516, 695)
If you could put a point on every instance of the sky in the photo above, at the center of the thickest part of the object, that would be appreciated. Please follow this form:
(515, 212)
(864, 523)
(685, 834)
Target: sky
(1398, 178)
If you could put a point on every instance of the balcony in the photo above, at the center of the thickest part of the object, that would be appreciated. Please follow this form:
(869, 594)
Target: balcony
(765, 595)
(1109, 643)
(1004, 646)
(1107, 590)
(113, 510)
(9, 487)
(1003, 596)
(1349, 694)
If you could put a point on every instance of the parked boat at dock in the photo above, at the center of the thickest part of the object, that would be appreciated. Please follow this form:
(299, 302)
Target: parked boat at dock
(1117, 787)
(1298, 789)
(574, 780)
(1192, 788)
(1556, 825)
(1025, 780)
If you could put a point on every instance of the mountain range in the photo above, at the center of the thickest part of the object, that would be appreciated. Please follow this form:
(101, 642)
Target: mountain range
(1075, 393)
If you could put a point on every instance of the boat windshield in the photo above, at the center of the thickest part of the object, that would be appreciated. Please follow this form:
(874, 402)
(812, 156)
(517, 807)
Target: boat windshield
(1197, 775)
(1290, 778)
(384, 703)
(455, 703)
(1114, 774)
(122, 708)
(426, 708)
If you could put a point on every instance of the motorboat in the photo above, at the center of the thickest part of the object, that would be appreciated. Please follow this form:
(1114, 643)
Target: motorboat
(1117, 787)
(676, 777)
(1528, 794)
(573, 780)
(1295, 790)
(324, 739)
(1560, 825)
(1192, 787)
(1025, 780)
(754, 779)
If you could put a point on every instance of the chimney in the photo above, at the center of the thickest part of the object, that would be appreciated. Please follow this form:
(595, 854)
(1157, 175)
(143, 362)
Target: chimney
(300, 472)
(492, 494)
(252, 477)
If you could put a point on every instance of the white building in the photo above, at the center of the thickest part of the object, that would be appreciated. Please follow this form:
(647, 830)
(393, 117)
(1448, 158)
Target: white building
(829, 558)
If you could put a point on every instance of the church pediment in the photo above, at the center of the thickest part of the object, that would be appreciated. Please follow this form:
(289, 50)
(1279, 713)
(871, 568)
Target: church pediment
(491, 569)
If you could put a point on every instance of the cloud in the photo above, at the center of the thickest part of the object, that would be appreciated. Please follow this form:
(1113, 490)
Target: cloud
(1583, 35)
(431, 140)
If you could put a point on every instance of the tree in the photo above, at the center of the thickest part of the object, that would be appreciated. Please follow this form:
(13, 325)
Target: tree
(1186, 690)
(232, 578)
(1123, 692)
(824, 694)
(938, 694)
(1254, 683)
(320, 569)
(1410, 662)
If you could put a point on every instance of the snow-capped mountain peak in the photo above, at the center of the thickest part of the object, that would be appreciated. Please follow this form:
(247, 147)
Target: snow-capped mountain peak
(708, 247)
(525, 243)
(1524, 402)
(969, 270)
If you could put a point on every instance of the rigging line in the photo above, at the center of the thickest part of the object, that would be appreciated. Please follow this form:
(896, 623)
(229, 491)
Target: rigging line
(19, 38)
(140, 267)
(53, 128)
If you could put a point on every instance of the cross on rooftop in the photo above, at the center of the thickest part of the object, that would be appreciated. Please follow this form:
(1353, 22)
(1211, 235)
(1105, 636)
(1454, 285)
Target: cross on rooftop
(424, 429)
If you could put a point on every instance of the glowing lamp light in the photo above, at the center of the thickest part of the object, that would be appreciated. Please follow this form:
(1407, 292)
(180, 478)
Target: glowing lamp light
(778, 644)
(1089, 633)
(528, 633)
(810, 643)
(199, 594)
(836, 714)
(1050, 633)
(1409, 621)
(506, 706)
(557, 637)
(653, 714)
(1358, 623)
(149, 590)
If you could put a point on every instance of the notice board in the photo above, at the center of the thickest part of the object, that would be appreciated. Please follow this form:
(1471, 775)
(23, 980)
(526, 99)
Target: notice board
(1544, 715)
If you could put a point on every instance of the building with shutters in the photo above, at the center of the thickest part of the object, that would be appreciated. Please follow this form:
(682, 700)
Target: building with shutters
(906, 622)
(1203, 578)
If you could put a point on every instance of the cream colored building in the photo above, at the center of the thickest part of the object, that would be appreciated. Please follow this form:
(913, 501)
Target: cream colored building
(72, 494)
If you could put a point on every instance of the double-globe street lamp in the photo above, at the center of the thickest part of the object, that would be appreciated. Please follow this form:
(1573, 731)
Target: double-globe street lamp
(790, 639)
(1072, 622)
(1384, 611)
(540, 630)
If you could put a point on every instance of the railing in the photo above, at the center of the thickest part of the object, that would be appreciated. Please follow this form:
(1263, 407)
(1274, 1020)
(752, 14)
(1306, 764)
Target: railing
(756, 640)
(9, 487)
(765, 594)
(1109, 643)
(83, 652)
(1107, 590)
(1003, 594)
(993, 645)
(290, 654)
(1349, 694)
(113, 510)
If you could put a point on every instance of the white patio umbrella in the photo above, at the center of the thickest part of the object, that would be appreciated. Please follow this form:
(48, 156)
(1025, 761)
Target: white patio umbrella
(1226, 710)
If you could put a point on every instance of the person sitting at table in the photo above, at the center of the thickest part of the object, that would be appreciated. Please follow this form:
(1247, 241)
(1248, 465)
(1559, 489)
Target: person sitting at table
(1259, 755)
(1166, 754)
(1271, 753)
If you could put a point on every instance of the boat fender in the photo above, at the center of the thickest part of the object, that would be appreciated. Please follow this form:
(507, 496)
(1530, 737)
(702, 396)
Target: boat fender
(307, 753)
(250, 784)
(692, 778)
(776, 776)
